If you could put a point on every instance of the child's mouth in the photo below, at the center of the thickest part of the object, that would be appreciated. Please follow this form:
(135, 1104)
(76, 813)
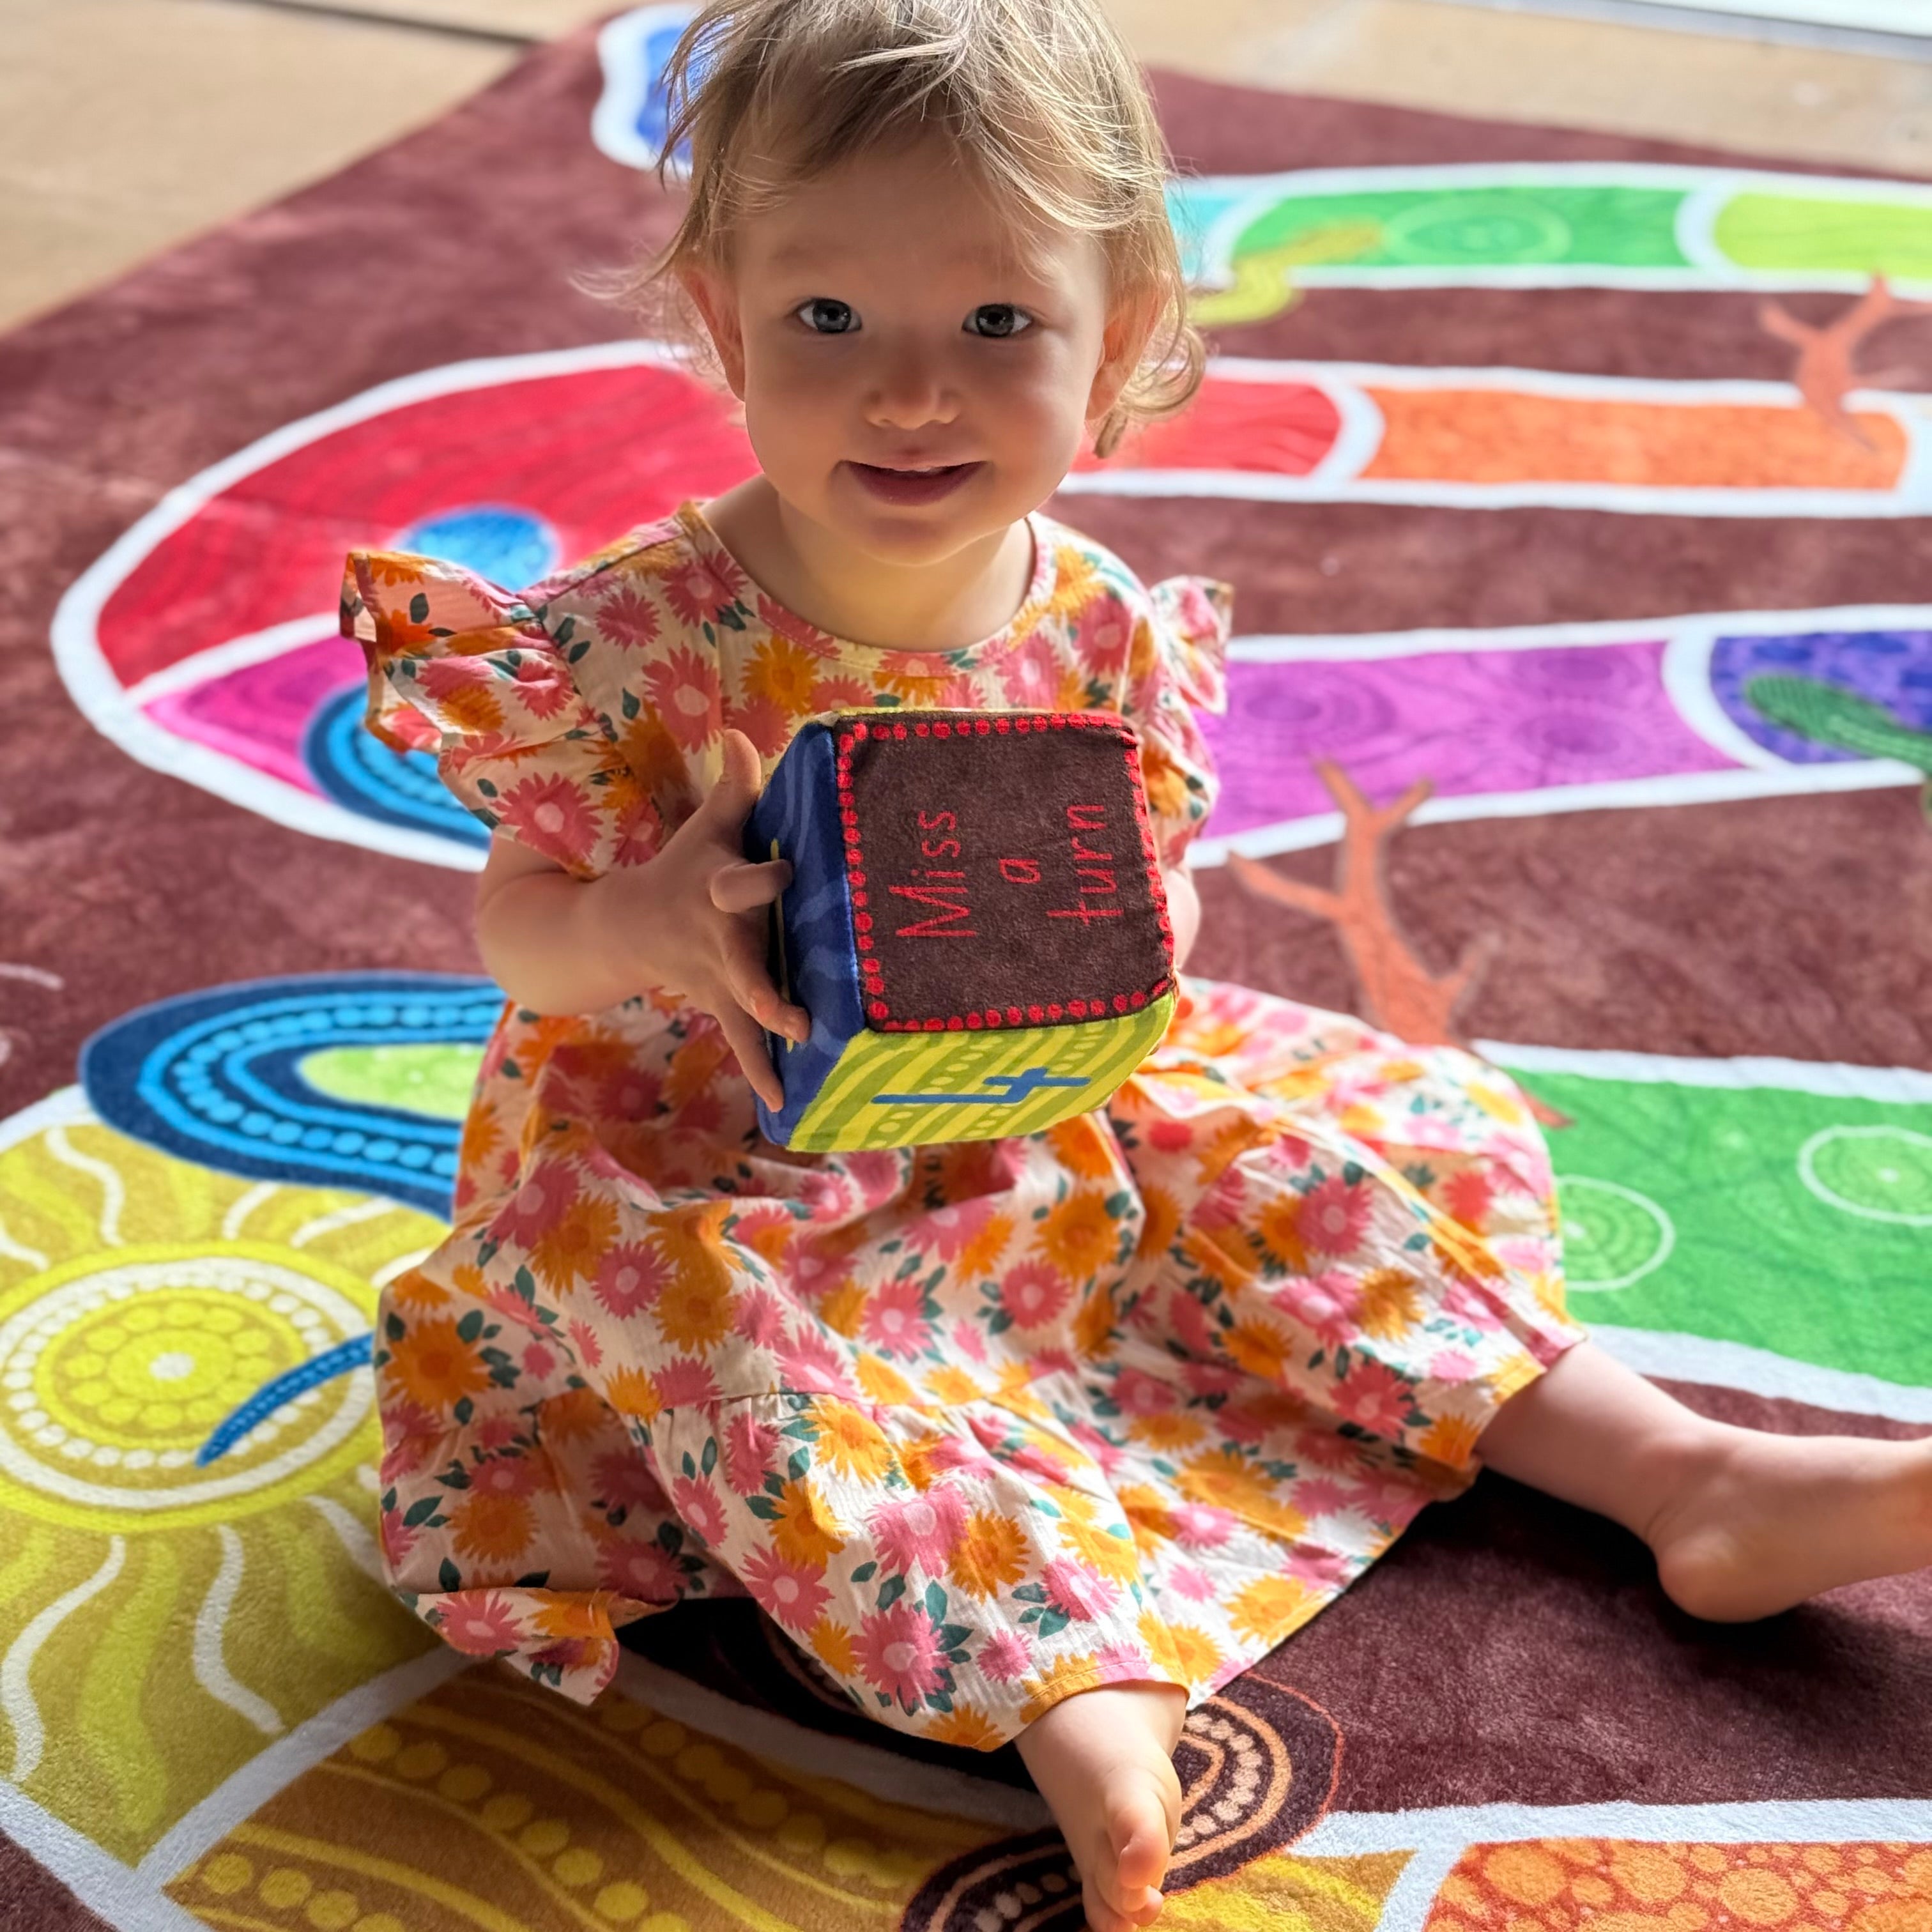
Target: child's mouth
(912, 486)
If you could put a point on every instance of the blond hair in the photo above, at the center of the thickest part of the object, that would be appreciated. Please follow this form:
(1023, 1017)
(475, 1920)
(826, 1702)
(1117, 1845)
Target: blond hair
(1040, 96)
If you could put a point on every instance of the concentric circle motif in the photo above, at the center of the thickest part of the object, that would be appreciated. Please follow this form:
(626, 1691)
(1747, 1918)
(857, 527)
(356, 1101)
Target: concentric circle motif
(1258, 1766)
(361, 773)
(1486, 229)
(1613, 1235)
(218, 1077)
(1877, 1173)
(114, 1370)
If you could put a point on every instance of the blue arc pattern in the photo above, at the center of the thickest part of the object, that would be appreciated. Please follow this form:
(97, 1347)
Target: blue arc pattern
(353, 1353)
(359, 772)
(215, 1077)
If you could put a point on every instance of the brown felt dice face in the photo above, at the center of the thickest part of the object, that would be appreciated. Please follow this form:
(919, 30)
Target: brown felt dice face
(1008, 875)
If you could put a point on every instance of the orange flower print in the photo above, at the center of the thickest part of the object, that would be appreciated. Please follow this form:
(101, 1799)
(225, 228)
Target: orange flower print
(1271, 1607)
(630, 1392)
(968, 1730)
(572, 1249)
(990, 1556)
(436, 1366)
(1278, 1224)
(803, 1530)
(782, 673)
(1085, 1146)
(489, 1527)
(1114, 1557)
(849, 1441)
(1391, 1304)
(1079, 1235)
(683, 689)
(832, 1644)
(694, 1311)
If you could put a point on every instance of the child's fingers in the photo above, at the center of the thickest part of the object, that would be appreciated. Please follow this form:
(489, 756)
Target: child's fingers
(745, 1040)
(739, 888)
(750, 986)
(739, 782)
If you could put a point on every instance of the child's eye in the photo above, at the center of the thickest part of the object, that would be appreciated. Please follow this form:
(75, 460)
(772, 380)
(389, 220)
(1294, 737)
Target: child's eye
(997, 319)
(824, 316)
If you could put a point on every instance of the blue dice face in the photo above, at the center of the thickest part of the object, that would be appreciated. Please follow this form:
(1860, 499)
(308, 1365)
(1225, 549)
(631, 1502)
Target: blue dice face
(814, 960)
(975, 923)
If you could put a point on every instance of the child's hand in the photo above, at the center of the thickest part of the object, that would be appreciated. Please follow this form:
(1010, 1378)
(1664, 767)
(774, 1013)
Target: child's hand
(696, 922)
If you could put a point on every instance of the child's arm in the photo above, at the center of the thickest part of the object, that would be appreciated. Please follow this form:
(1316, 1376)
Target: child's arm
(1183, 910)
(691, 922)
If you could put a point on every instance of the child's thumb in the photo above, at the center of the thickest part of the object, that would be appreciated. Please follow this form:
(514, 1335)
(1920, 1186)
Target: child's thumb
(740, 782)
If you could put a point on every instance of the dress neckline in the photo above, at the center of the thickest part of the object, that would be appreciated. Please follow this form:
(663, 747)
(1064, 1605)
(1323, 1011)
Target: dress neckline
(1040, 593)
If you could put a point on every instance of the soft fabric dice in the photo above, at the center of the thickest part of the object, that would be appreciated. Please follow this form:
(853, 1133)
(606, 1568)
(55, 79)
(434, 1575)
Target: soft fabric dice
(975, 923)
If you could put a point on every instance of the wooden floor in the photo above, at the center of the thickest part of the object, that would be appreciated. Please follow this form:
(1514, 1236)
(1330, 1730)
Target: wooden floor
(127, 124)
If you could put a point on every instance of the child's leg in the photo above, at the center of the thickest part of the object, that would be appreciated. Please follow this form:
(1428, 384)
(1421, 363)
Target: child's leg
(1104, 1761)
(1743, 1524)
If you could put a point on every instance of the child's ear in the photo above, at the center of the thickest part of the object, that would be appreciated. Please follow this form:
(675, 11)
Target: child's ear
(715, 301)
(1123, 342)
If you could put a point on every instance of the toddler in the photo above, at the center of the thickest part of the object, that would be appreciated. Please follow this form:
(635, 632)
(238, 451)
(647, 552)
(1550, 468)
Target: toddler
(1034, 1439)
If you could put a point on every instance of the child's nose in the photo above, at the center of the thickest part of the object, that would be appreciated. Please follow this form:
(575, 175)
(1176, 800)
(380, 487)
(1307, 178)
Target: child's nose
(910, 391)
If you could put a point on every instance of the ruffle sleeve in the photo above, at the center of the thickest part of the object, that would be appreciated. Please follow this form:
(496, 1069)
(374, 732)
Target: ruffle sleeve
(1177, 665)
(462, 669)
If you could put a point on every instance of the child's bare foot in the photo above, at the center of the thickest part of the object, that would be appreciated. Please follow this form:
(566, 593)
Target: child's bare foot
(1104, 1761)
(1760, 1522)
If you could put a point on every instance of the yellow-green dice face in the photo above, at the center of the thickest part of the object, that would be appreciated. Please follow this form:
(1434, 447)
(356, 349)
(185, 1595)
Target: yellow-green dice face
(975, 923)
(900, 1091)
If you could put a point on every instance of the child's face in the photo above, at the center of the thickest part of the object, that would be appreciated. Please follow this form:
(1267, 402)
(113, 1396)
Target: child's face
(888, 319)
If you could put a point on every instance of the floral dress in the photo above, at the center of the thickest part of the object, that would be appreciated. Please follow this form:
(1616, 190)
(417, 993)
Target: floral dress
(980, 1426)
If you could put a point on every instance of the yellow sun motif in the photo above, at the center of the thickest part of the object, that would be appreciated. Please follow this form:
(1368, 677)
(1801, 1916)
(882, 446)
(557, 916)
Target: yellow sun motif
(162, 1620)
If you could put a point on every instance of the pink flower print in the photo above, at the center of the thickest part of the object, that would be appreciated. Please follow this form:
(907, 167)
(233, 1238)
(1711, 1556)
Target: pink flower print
(495, 1433)
(685, 1382)
(583, 1340)
(1323, 1569)
(1101, 638)
(788, 1592)
(398, 1539)
(1123, 1664)
(504, 1476)
(539, 1359)
(646, 1571)
(480, 1626)
(750, 1447)
(547, 1192)
(1328, 1303)
(1030, 675)
(766, 722)
(1322, 1495)
(841, 694)
(922, 1531)
(1373, 1397)
(540, 685)
(630, 1278)
(1078, 1591)
(684, 693)
(811, 1363)
(760, 1319)
(1245, 1424)
(1033, 1293)
(1322, 1449)
(899, 1654)
(550, 816)
(698, 590)
(1137, 1393)
(948, 1229)
(895, 1320)
(1467, 1196)
(1199, 1526)
(968, 1341)
(948, 1452)
(637, 839)
(1452, 1365)
(621, 1479)
(629, 1093)
(1204, 1379)
(1194, 1329)
(698, 1508)
(1334, 1217)
(877, 1173)
(1004, 1657)
(820, 643)
(627, 617)
(1191, 1581)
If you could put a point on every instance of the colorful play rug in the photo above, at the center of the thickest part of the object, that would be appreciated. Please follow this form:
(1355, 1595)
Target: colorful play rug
(1574, 492)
